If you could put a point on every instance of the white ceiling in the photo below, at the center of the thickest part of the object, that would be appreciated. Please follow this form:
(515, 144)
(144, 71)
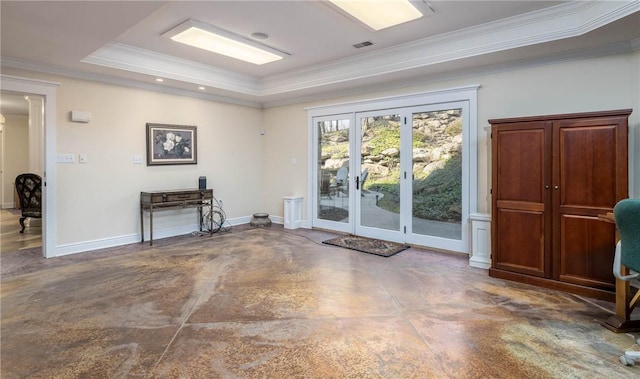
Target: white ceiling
(120, 41)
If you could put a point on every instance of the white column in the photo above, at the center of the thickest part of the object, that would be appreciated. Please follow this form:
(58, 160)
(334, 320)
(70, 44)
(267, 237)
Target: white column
(480, 240)
(292, 212)
(36, 134)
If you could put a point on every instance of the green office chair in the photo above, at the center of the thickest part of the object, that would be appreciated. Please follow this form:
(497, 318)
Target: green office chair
(627, 215)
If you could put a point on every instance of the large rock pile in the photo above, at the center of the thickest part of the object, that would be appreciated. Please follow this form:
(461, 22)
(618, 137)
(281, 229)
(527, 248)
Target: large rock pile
(439, 135)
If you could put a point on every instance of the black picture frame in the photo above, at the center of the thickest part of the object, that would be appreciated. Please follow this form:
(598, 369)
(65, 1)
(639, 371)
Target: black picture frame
(171, 144)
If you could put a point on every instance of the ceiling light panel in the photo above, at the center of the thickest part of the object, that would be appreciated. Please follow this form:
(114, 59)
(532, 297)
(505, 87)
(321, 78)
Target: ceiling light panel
(379, 14)
(219, 41)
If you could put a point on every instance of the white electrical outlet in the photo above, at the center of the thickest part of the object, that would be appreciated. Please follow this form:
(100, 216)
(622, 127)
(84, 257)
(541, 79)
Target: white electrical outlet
(66, 158)
(82, 158)
(137, 159)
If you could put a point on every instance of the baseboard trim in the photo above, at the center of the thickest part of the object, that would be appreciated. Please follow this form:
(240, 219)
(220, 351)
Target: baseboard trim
(105, 243)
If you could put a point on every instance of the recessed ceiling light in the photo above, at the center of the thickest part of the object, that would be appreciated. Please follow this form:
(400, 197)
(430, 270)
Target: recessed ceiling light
(160, 80)
(216, 40)
(201, 88)
(379, 15)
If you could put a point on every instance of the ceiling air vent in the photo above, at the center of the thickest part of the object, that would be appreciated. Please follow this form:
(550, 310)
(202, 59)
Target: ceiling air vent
(363, 44)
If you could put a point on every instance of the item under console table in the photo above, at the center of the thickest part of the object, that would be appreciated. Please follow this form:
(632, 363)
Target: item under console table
(175, 199)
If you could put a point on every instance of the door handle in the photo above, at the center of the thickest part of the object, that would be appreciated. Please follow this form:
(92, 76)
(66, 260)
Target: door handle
(357, 183)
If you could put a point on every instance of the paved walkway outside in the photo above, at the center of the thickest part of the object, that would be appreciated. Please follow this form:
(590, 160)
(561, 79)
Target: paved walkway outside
(374, 216)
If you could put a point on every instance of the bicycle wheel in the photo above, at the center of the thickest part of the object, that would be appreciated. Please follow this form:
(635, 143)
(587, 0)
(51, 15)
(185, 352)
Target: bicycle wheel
(218, 220)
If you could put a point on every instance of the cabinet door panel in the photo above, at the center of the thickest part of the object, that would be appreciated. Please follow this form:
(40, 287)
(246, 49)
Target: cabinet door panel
(520, 242)
(587, 166)
(586, 254)
(521, 165)
(590, 169)
(521, 174)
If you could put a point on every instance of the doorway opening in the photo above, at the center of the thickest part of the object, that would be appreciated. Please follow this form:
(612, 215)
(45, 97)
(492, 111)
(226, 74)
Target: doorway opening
(46, 130)
(22, 151)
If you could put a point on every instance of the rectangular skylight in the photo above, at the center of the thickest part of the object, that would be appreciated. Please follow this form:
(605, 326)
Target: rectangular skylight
(210, 38)
(379, 14)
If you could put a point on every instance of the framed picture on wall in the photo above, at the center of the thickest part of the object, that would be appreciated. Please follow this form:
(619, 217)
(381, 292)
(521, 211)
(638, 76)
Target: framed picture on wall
(171, 144)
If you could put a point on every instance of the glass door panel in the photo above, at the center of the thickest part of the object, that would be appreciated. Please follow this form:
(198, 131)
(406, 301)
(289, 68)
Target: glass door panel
(379, 197)
(332, 170)
(437, 173)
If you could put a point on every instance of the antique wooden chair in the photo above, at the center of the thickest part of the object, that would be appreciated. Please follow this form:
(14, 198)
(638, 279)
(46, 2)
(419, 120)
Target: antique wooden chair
(29, 189)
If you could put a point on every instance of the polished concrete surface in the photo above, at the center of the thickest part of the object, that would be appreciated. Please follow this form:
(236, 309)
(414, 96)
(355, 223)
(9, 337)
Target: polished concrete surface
(273, 303)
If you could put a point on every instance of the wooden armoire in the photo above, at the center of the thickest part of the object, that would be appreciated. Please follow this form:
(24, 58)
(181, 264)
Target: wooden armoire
(551, 178)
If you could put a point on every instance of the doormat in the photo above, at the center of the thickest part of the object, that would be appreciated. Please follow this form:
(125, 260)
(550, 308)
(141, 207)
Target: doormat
(367, 245)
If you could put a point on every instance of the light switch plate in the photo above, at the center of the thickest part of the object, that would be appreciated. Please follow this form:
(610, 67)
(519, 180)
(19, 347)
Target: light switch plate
(66, 158)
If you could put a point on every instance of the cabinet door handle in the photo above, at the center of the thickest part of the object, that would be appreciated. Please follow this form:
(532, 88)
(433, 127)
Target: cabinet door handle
(556, 187)
(546, 187)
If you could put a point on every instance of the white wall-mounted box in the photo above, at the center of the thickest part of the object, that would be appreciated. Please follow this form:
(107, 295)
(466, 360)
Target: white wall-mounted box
(80, 116)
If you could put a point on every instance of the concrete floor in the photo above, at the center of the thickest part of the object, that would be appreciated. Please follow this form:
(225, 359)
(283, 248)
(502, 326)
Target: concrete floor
(273, 303)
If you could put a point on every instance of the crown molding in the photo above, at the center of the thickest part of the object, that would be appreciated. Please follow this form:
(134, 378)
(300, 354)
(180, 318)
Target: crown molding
(494, 68)
(129, 58)
(29, 81)
(109, 79)
(551, 24)
(611, 49)
(563, 21)
(314, 83)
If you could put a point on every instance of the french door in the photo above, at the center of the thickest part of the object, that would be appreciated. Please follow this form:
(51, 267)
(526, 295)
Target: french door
(395, 174)
(378, 198)
(333, 193)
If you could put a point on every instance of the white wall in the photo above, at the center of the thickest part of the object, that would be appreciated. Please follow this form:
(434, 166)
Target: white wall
(285, 142)
(98, 204)
(15, 154)
(108, 187)
(595, 84)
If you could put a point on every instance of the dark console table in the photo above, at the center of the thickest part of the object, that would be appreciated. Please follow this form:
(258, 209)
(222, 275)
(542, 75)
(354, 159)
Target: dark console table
(154, 201)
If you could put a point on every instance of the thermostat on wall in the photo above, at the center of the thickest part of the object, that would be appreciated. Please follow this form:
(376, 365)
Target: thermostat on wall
(80, 116)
